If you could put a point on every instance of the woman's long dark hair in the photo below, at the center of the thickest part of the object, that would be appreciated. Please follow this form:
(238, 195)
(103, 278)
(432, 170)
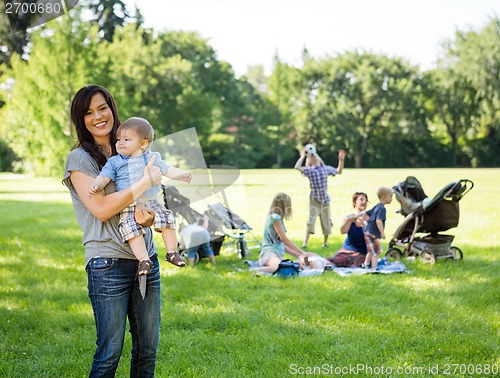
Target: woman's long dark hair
(80, 106)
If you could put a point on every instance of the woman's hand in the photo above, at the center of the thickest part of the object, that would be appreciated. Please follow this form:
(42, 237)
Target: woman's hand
(351, 217)
(302, 262)
(152, 173)
(151, 177)
(144, 216)
(361, 214)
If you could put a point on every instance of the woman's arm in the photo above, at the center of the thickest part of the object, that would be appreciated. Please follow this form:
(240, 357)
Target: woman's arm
(290, 246)
(102, 206)
(143, 216)
(344, 229)
(361, 216)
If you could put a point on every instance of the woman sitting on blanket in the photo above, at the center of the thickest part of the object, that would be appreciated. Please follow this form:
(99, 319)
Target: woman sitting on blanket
(275, 242)
(353, 250)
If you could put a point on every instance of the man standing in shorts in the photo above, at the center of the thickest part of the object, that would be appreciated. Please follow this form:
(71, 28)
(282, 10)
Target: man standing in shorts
(319, 201)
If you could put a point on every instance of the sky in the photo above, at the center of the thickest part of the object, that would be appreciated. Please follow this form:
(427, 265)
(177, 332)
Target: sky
(246, 33)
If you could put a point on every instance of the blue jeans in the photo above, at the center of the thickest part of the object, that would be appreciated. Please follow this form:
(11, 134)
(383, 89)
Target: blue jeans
(204, 251)
(114, 295)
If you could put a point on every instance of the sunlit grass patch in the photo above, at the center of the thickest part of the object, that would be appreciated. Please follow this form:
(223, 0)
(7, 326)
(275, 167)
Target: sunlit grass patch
(223, 322)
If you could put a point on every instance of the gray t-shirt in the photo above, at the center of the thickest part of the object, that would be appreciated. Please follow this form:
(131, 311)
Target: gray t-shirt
(100, 239)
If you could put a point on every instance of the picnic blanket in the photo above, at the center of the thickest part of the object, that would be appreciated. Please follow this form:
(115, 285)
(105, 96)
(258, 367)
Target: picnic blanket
(384, 267)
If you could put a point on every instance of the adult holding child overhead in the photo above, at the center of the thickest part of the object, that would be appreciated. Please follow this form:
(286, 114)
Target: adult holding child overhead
(111, 266)
(319, 201)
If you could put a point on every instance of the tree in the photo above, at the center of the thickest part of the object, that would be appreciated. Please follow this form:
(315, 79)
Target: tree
(475, 56)
(110, 14)
(455, 104)
(175, 81)
(281, 92)
(356, 99)
(138, 17)
(10, 42)
(150, 79)
(246, 114)
(35, 120)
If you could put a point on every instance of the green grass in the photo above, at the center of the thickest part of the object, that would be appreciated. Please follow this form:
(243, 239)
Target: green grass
(221, 322)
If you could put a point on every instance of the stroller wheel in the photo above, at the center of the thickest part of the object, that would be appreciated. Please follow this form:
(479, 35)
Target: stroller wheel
(184, 255)
(427, 257)
(242, 248)
(456, 253)
(394, 254)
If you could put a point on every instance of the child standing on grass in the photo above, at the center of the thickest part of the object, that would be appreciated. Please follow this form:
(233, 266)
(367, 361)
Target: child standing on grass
(134, 138)
(319, 201)
(374, 230)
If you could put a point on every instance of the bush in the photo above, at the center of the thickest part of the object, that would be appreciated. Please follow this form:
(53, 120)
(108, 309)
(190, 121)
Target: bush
(7, 157)
(481, 152)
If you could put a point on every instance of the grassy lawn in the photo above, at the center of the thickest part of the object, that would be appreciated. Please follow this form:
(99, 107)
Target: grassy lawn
(222, 322)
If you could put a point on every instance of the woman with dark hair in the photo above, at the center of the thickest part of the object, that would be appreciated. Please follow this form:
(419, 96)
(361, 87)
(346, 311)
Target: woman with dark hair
(111, 267)
(353, 250)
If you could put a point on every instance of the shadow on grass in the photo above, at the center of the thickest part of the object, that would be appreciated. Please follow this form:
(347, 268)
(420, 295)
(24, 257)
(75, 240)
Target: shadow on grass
(46, 316)
(219, 322)
(445, 313)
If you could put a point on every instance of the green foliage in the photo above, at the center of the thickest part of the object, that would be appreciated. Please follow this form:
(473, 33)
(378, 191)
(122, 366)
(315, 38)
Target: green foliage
(172, 79)
(282, 87)
(374, 105)
(137, 75)
(482, 152)
(202, 92)
(384, 111)
(245, 116)
(7, 157)
(110, 15)
(223, 322)
(221, 147)
(355, 99)
(10, 42)
(456, 105)
(36, 119)
(476, 57)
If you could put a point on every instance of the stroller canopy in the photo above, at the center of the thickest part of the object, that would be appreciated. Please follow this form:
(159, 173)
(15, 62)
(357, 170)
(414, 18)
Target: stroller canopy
(227, 218)
(437, 214)
(219, 215)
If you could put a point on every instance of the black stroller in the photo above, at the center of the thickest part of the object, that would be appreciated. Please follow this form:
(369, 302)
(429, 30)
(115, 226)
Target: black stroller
(429, 216)
(226, 228)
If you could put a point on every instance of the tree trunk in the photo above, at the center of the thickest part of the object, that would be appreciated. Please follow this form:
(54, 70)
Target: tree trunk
(358, 158)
